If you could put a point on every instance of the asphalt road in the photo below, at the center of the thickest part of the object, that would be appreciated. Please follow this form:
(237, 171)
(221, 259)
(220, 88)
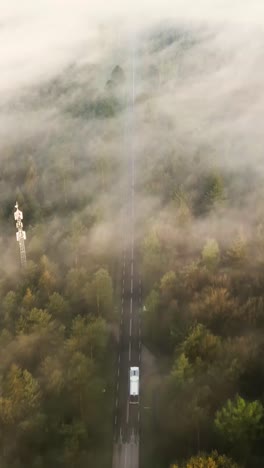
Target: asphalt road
(127, 414)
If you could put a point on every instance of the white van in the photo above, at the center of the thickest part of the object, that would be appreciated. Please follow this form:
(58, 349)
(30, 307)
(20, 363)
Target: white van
(134, 384)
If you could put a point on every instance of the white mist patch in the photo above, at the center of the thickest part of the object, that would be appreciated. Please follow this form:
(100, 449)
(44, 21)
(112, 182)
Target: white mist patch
(37, 39)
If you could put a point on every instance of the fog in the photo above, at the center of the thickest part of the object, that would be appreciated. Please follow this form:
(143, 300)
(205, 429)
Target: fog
(67, 133)
(38, 38)
(204, 98)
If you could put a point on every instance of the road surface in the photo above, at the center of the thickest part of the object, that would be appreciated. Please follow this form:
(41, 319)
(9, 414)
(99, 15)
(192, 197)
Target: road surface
(127, 415)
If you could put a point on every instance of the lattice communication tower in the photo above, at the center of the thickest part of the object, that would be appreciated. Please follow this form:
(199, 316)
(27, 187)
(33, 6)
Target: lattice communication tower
(20, 235)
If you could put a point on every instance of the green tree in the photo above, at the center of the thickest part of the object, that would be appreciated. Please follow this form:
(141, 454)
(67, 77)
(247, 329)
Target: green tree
(33, 320)
(194, 278)
(75, 280)
(88, 336)
(167, 285)
(201, 344)
(28, 299)
(80, 372)
(238, 250)
(240, 422)
(77, 232)
(48, 277)
(184, 215)
(214, 190)
(10, 308)
(103, 292)
(75, 440)
(97, 337)
(211, 254)
(58, 307)
(21, 396)
(182, 371)
(214, 307)
(52, 375)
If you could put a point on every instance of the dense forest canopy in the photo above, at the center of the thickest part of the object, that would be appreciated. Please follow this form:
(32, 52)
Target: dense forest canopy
(199, 236)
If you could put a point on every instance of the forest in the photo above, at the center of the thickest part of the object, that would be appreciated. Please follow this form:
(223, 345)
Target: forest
(200, 242)
(203, 273)
(57, 315)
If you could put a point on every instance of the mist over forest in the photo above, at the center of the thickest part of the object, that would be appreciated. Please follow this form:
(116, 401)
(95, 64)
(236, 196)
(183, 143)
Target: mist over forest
(199, 238)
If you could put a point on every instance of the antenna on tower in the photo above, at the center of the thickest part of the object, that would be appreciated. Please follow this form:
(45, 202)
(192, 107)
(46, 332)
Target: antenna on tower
(20, 235)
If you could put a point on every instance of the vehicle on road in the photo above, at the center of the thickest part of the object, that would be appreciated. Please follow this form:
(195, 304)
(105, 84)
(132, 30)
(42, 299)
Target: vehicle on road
(134, 384)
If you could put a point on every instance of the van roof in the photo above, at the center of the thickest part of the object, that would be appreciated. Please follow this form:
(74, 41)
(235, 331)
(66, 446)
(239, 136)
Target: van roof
(134, 386)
